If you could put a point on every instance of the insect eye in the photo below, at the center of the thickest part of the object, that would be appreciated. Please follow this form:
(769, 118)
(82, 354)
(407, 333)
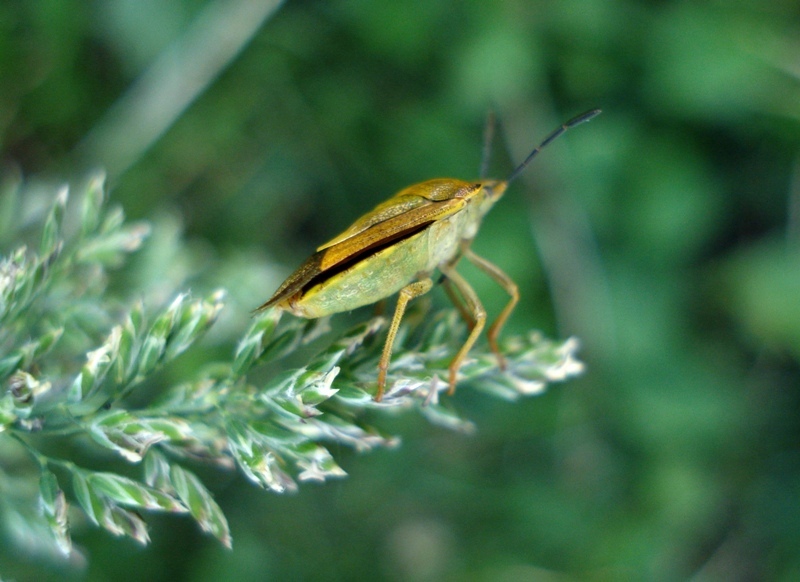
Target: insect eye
(490, 188)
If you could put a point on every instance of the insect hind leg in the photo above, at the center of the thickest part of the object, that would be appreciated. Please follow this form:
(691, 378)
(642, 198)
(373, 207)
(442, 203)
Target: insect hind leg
(510, 287)
(477, 313)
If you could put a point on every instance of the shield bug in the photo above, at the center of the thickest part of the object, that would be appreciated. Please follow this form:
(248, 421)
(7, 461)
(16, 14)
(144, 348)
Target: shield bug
(398, 245)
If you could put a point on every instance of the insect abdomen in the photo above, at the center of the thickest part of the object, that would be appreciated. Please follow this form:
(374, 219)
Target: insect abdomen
(375, 277)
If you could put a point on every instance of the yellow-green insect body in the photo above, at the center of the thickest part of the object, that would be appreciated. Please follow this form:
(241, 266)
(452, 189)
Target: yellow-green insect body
(397, 246)
(453, 210)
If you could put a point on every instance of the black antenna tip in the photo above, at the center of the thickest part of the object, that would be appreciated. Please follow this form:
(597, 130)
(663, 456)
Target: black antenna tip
(583, 117)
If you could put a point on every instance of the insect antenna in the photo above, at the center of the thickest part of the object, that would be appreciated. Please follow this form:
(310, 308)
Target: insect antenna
(488, 138)
(582, 118)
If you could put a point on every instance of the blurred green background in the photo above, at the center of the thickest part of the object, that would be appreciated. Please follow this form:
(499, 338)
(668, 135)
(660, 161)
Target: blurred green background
(665, 235)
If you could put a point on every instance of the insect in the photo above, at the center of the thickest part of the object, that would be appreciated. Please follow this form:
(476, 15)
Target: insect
(397, 246)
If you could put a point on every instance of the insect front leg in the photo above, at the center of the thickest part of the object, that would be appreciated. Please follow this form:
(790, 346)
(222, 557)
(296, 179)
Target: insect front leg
(407, 293)
(510, 287)
(477, 314)
(453, 293)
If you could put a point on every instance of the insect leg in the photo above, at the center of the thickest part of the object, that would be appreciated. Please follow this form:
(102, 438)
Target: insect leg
(380, 307)
(478, 314)
(458, 301)
(511, 288)
(407, 293)
(453, 292)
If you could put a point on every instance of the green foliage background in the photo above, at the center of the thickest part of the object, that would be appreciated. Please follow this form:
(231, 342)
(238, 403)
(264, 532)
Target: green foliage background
(665, 235)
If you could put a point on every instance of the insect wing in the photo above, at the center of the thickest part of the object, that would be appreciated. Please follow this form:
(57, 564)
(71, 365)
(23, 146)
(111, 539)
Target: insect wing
(389, 230)
(395, 206)
(404, 202)
(359, 245)
(295, 282)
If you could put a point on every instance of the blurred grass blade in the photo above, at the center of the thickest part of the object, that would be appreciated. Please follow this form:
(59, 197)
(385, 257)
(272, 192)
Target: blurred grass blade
(201, 504)
(182, 73)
